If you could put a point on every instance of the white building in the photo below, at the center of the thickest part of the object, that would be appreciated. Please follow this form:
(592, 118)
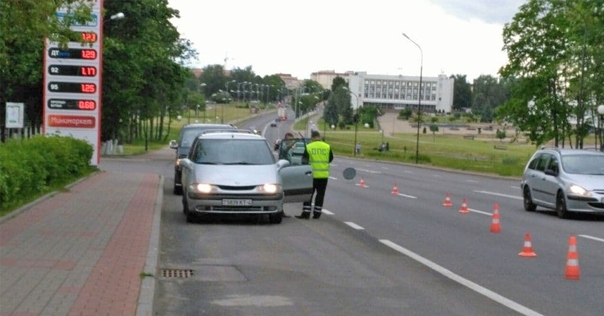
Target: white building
(399, 92)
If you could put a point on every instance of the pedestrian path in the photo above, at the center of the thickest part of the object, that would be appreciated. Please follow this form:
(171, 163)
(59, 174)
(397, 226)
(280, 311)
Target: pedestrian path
(83, 251)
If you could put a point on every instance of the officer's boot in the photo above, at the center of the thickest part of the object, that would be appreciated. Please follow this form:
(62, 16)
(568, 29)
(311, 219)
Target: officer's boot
(305, 211)
(304, 215)
(317, 212)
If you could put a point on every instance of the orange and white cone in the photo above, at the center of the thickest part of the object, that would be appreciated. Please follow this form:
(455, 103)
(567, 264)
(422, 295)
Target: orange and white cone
(495, 225)
(448, 201)
(527, 250)
(361, 183)
(572, 260)
(464, 207)
(395, 189)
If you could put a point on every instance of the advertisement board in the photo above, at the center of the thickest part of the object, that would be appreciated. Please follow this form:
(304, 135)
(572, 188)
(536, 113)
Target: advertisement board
(72, 82)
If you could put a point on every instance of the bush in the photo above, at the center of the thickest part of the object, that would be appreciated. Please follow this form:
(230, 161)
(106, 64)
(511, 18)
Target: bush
(32, 166)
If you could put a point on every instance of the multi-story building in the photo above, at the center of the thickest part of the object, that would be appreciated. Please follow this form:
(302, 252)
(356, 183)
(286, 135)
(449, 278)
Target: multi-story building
(326, 77)
(290, 82)
(400, 92)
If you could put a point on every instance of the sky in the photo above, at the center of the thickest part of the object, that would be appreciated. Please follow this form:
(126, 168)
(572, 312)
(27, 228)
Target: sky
(300, 37)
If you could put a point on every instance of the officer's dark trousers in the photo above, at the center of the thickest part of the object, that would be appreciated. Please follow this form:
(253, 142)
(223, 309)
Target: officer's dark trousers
(319, 187)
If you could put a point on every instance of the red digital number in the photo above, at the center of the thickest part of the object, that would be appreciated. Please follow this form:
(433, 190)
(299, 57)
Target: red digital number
(88, 71)
(89, 37)
(86, 105)
(88, 87)
(89, 54)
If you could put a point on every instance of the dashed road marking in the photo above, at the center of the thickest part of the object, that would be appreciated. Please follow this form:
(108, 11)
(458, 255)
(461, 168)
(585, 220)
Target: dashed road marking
(407, 196)
(353, 225)
(465, 282)
(592, 238)
(327, 212)
(499, 194)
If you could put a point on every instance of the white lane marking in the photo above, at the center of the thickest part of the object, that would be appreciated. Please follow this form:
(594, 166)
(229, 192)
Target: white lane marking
(473, 181)
(480, 212)
(592, 238)
(353, 225)
(370, 171)
(362, 186)
(327, 212)
(333, 164)
(407, 171)
(407, 196)
(465, 282)
(333, 178)
(499, 194)
(515, 187)
(436, 175)
(385, 168)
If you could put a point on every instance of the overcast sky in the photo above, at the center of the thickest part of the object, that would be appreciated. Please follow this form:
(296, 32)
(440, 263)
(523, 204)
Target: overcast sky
(301, 37)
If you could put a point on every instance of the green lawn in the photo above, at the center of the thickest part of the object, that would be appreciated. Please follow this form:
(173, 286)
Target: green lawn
(483, 154)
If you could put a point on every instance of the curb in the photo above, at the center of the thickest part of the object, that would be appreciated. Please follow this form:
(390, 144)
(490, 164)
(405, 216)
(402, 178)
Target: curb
(147, 293)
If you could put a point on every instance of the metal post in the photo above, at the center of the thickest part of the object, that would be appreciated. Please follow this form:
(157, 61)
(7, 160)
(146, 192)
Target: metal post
(419, 108)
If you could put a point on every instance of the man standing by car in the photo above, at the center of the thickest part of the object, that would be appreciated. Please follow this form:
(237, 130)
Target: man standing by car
(319, 155)
(285, 150)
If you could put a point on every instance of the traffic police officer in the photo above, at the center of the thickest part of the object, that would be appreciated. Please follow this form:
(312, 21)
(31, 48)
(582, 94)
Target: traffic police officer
(319, 156)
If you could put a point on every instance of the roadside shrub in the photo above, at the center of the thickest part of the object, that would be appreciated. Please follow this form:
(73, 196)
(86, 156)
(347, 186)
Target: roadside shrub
(30, 167)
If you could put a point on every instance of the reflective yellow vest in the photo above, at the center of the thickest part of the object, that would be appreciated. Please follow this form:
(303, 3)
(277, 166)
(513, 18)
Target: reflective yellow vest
(318, 155)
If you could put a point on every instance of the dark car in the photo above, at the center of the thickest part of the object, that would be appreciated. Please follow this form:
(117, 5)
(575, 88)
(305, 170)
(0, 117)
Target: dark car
(187, 135)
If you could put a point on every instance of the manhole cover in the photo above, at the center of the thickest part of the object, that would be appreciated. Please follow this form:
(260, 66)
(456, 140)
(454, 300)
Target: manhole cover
(177, 273)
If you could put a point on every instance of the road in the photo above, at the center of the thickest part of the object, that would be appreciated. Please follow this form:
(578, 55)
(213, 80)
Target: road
(376, 253)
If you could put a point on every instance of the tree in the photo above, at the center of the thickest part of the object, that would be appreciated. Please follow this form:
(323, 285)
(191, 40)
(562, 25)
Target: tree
(500, 134)
(143, 74)
(434, 129)
(462, 93)
(338, 82)
(553, 47)
(214, 78)
(489, 93)
(405, 113)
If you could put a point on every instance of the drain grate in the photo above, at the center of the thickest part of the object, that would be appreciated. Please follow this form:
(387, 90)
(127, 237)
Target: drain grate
(177, 273)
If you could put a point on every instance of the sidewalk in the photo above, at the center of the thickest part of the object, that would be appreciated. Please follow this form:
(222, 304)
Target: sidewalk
(84, 251)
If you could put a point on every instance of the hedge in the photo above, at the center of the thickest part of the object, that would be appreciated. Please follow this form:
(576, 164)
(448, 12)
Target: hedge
(31, 166)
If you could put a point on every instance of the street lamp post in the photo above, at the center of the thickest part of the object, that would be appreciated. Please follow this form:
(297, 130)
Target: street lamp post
(356, 121)
(227, 100)
(419, 107)
(204, 105)
(601, 125)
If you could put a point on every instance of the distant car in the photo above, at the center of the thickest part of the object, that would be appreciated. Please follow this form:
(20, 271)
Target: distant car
(236, 173)
(273, 124)
(183, 144)
(566, 180)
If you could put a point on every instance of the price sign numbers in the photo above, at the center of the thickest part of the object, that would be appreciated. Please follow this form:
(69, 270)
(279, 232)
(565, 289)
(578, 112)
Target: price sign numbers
(69, 70)
(73, 53)
(68, 104)
(72, 87)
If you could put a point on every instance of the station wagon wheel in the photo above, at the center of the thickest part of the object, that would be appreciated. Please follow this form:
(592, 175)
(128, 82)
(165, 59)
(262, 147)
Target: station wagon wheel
(529, 206)
(275, 218)
(561, 205)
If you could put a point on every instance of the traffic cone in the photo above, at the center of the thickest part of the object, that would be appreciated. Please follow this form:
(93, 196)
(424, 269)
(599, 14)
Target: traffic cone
(495, 225)
(464, 207)
(572, 260)
(527, 250)
(448, 201)
(395, 189)
(361, 183)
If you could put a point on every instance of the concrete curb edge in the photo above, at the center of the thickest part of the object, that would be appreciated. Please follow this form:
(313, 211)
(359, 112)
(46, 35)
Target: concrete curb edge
(147, 293)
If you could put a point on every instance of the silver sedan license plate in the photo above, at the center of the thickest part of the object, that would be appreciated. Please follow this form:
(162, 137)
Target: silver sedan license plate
(237, 202)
